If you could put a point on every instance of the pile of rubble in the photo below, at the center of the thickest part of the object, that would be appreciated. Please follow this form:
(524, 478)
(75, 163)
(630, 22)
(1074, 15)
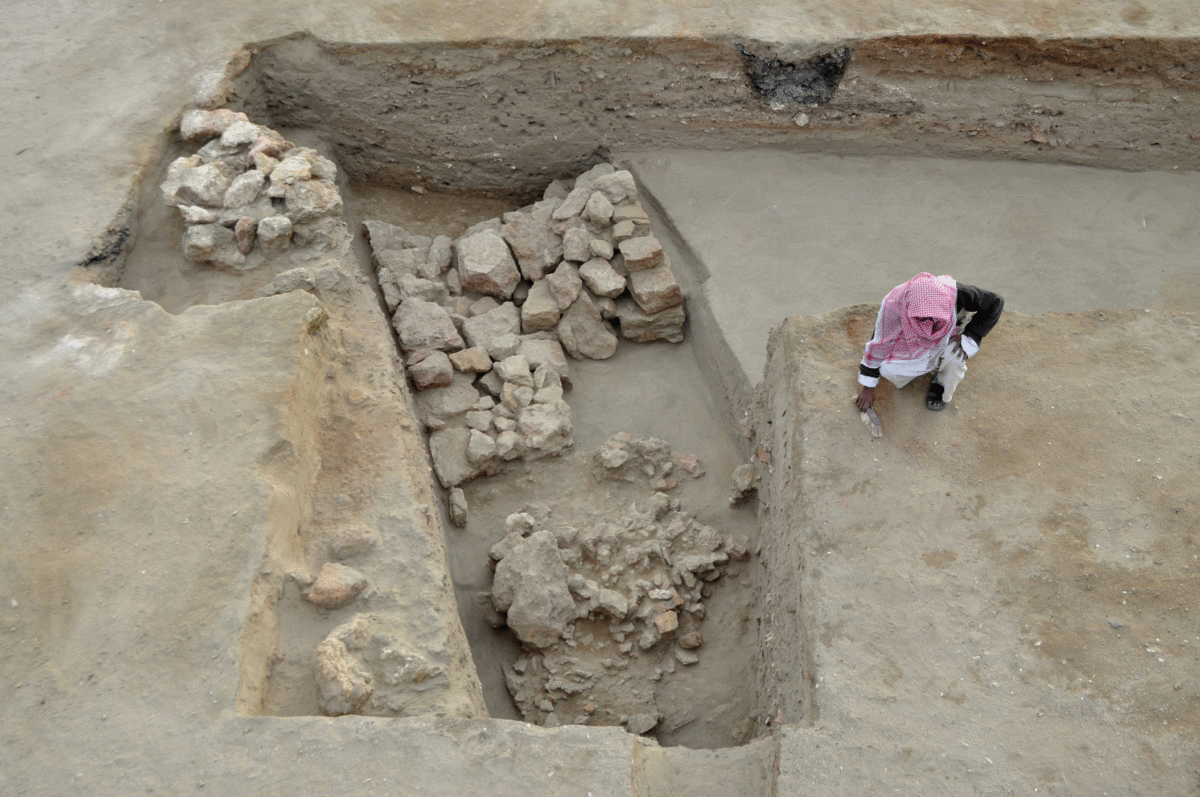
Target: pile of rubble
(610, 604)
(488, 320)
(247, 195)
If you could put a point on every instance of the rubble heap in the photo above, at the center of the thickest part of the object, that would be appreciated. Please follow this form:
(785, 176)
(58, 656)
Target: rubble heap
(608, 605)
(248, 196)
(487, 321)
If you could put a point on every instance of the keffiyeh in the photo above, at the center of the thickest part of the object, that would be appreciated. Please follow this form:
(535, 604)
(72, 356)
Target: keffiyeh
(916, 318)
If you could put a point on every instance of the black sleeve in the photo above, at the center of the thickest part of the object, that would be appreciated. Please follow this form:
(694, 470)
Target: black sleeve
(865, 371)
(986, 306)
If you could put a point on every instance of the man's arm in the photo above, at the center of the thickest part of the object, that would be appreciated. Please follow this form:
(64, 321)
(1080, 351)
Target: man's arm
(986, 306)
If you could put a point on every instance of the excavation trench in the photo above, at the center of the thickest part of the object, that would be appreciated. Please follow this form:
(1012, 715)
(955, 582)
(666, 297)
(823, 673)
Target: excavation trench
(436, 138)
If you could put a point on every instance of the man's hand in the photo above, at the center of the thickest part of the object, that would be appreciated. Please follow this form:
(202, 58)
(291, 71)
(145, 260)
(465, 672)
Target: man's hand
(866, 397)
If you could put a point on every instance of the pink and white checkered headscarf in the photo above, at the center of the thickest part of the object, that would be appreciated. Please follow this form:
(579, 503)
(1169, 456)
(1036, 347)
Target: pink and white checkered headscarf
(901, 336)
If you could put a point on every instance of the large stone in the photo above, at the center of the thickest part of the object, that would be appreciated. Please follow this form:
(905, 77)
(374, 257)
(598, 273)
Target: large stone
(441, 254)
(410, 286)
(642, 327)
(425, 325)
(574, 203)
(448, 450)
(577, 244)
(474, 360)
(201, 125)
(545, 429)
(655, 289)
(494, 330)
(565, 284)
(287, 173)
(240, 133)
(485, 265)
(244, 189)
(601, 278)
(336, 586)
(214, 244)
(641, 253)
(536, 246)
(446, 402)
(480, 448)
(531, 587)
(200, 185)
(546, 351)
(584, 333)
(598, 210)
(310, 200)
(274, 235)
(617, 187)
(540, 312)
(432, 370)
(343, 683)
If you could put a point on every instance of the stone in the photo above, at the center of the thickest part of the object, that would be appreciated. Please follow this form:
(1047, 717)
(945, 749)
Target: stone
(446, 402)
(480, 447)
(613, 603)
(310, 200)
(577, 244)
(641, 253)
(622, 230)
(655, 289)
(243, 233)
(286, 173)
(485, 265)
(686, 657)
(546, 376)
(745, 481)
(535, 245)
(200, 185)
(433, 370)
(515, 369)
(584, 333)
(601, 248)
(409, 286)
(574, 202)
(630, 211)
(617, 187)
(441, 253)
(491, 383)
(598, 210)
(565, 284)
(480, 420)
(487, 330)
(540, 311)
(530, 586)
(606, 306)
(642, 327)
(244, 189)
(194, 214)
(508, 445)
(691, 641)
(336, 586)
(264, 163)
(601, 279)
(239, 133)
(546, 351)
(448, 450)
(274, 235)
(425, 325)
(201, 125)
(558, 189)
(353, 541)
(545, 428)
(343, 684)
(481, 306)
(666, 622)
(640, 724)
(548, 395)
(474, 360)
(213, 244)
(314, 279)
(457, 502)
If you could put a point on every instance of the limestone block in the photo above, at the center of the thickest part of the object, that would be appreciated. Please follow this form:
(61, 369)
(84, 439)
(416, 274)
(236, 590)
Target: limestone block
(458, 507)
(546, 352)
(545, 429)
(194, 214)
(574, 203)
(200, 185)
(343, 684)
(448, 449)
(425, 325)
(201, 125)
(515, 369)
(584, 333)
(288, 172)
(274, 235)
(641, 327)
(601, 248)
(622, 230)
(480, 447)
(631, 211)
(410, 286)
(485, 265)
(536, 246)
(601, 278)
(617, 187)
(446, 402)
(433, 370)
(598, 210)
(474, 360)
(577, 244)
(310, 200)
(641, 253)
(353, 541)
(337, 585)
(613, 603)
(239, 133)
(441, 254)
(508, 445)
(655, 289)
(213, 244)
(531, 587)
(244, 189)
(540, 312)
(488, 330)
(565, 284)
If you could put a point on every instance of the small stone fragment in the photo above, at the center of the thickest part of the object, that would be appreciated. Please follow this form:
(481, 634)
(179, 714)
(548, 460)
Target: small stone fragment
(353, 541)
(691, 641)
(243, 231)
(686, 657)
(666, 622)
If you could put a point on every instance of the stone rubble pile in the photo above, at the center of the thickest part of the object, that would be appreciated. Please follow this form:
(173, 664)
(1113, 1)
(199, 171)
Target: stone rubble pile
(606, 606)
(487, 321)
(247, 195)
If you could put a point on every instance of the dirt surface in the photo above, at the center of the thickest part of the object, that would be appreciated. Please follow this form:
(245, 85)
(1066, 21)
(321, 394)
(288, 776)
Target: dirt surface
(1001, 593)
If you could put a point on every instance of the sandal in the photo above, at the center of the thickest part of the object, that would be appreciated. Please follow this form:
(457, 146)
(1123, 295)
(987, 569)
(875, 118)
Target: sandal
(933, 399)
